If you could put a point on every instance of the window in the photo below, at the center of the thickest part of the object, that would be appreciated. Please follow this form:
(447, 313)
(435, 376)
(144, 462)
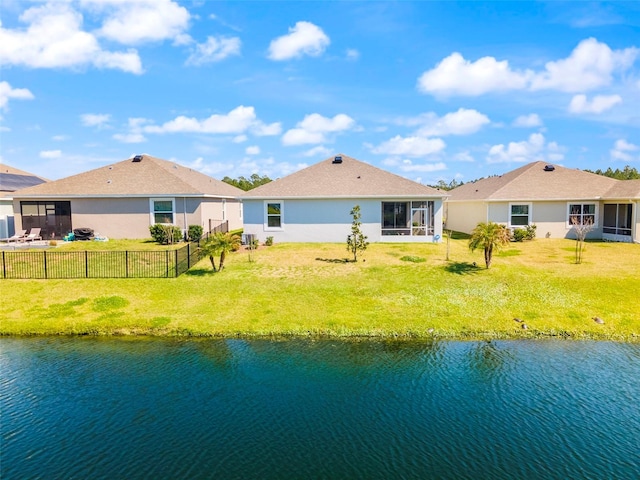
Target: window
(422, 218)
(273, 213)
(519, 215)
(582, 214)
(162, 210)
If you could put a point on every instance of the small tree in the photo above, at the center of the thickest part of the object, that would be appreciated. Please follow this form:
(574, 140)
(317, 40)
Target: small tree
(220, 243)
(489, 236)
(357, 241)
(581, 229)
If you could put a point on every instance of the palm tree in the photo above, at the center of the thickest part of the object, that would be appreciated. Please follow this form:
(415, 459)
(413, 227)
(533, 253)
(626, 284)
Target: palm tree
(490, 236)
(220, 243)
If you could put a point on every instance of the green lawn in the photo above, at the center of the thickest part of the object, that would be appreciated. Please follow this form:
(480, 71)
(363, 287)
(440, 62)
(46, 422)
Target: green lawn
(308, 289)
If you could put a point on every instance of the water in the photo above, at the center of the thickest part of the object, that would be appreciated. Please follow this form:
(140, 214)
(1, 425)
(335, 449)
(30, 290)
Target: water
(131, 408)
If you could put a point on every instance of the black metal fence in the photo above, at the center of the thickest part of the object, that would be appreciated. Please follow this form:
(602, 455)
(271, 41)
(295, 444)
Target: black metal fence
(99, 264)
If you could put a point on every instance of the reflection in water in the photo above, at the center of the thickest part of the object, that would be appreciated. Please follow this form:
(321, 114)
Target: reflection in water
(178, 408)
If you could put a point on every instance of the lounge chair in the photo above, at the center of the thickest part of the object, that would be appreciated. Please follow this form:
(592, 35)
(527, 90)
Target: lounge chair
(17, 237)
(34, 234)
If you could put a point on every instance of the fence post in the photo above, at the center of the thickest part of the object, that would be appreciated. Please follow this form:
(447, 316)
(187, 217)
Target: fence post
(166, 261)
(176, 260)
(44, 256)
(4, 266)
(188, 255)
(86, 264)
(126, 263)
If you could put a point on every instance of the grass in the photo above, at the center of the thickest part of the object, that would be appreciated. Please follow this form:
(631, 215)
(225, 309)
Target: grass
(312, 289)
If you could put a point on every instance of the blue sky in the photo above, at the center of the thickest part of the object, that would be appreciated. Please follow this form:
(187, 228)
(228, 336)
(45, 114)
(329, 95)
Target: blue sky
(427, 90)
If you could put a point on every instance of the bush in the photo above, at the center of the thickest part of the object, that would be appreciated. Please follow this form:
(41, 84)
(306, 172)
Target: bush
(413, 259)
(269, 241)
(194, 233)
(526, 233)
(165, 234)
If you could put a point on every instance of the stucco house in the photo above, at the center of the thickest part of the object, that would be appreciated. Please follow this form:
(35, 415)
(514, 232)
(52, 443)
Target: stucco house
(123, 199)
(549, 196)
(314, 205)
(12, 179)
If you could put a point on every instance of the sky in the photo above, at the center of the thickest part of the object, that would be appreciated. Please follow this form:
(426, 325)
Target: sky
(427, 90)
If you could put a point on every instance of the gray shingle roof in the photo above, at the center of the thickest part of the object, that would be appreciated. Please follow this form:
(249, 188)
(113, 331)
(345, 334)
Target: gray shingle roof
(351, 178)
(12, 179)
(532, 182)
(148, 177)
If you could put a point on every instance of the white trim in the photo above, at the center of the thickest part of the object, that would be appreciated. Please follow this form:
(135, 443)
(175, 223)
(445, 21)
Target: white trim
(596, 215)
(529, 214)
(266, 226)
(152, 217)
(224, 209)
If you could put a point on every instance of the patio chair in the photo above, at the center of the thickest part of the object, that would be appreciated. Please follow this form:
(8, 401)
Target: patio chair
(34, 234)
(18, 236)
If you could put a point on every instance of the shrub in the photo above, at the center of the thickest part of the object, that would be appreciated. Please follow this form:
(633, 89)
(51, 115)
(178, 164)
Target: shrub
(411, 258)
(526, 233)
(269, 241)
(165, 234)
(194, 233)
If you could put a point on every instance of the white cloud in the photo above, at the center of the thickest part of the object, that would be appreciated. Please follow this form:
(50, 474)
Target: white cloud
(590, 65)
(7, 92)
(352, 54)
(409, 166)
(599, 103)
(319, 151)
(54, 39)
(214, 50)
(50, 154)
(141, 21)
(464, 156)
(130, 138)
(299, 136)
(240, 139)
(530, 150)
(625, 151)
(314, 127)
(462, 122)
(527, 121)
(237, 121)
(100, 120)
(304, 38)
(263, 130)
(456, 76)
(410, 146)
(60, 138)
(253, 150)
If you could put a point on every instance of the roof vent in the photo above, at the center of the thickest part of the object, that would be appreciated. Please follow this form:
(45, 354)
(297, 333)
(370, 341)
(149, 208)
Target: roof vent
(137, 158)
(337, 159)
(549, 168)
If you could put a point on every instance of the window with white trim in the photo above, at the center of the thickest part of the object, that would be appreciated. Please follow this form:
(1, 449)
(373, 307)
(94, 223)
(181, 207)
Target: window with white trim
(162, 210)
(519, 214)
(582, 214)
(273, 215)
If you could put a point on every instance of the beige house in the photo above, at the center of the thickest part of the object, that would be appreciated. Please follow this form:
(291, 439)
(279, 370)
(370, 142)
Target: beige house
(551, 197)
(123, 199)
(12, 179)
(314, 205)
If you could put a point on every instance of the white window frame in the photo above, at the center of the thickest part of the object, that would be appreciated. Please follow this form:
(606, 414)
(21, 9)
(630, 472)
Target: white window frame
(267, 228)
(152, 216)
(596, 218)
(529, 215)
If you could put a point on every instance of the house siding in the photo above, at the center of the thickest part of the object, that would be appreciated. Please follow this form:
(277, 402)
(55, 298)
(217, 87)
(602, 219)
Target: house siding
(328, 220)
(128, 217)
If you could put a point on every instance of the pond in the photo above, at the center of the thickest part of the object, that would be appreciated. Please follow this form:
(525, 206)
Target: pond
(177, 408)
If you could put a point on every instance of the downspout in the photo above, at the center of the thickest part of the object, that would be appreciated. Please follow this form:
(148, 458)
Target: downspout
(184, 213)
